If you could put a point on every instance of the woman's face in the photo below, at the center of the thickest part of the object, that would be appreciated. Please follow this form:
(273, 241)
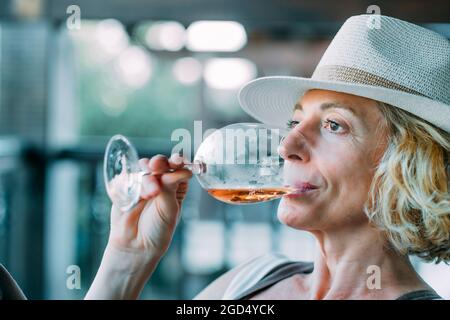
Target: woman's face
(334, 144)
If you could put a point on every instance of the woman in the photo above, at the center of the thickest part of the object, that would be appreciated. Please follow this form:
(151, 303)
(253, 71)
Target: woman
(368, 147)
(368, 150)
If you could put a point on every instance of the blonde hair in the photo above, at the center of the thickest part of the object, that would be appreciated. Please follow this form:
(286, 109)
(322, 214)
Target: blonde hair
(409, 198)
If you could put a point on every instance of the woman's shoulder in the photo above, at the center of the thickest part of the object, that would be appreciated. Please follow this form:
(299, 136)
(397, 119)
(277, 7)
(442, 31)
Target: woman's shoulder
(243, 277)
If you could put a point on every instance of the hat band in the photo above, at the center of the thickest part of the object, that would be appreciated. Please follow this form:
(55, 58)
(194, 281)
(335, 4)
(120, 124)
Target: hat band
(353, 75)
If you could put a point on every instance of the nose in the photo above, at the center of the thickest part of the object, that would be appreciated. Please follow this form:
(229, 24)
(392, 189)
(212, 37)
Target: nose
(293, 147)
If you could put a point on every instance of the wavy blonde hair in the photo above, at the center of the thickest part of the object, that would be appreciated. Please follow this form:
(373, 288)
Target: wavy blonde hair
(409, 198)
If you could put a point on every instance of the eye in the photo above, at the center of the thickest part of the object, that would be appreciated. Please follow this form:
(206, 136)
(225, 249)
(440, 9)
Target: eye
(291, 124)
(333, 126)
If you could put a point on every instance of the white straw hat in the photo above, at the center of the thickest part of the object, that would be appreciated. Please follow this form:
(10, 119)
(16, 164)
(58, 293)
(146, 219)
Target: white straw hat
(395, 62)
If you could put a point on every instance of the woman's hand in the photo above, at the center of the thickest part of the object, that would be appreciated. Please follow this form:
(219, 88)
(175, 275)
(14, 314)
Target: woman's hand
(139, 238)
(149, 226)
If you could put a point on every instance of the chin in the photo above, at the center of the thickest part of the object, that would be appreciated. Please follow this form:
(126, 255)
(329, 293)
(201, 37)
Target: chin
(296, 215)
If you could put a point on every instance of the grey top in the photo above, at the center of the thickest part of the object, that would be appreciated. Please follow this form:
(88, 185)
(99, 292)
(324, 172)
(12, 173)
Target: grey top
(288, 269)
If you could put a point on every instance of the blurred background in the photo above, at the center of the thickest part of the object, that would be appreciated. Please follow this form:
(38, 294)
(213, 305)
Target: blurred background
(144, 68)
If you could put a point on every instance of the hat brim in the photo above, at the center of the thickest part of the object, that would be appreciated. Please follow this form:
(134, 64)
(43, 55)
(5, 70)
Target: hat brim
(271, 100)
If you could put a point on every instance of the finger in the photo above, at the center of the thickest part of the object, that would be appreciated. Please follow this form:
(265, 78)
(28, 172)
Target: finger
(158, 164)
(181, 194)
(150, 187)
(171, 180)
(132, 216)
(180, 199)
(176, 161)
(182, 189)
(183, 186)
(127, 219)
(143, 163)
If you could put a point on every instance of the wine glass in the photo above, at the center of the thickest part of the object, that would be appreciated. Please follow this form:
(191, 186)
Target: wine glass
(237, 164)
(123, 174)
(242, 163)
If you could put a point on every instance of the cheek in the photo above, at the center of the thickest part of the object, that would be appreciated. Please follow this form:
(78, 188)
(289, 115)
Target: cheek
(350, 190)
(344, 166)
(348, 178)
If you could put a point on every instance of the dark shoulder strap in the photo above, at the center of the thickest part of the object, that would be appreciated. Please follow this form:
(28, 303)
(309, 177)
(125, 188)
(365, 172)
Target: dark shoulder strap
(277, 274)
(420, 295)
(9, 290)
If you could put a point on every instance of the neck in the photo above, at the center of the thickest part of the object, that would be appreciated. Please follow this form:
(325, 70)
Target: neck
(348, 262)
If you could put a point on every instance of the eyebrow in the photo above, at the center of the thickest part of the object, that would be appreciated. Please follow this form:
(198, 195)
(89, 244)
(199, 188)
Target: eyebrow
(328, 105)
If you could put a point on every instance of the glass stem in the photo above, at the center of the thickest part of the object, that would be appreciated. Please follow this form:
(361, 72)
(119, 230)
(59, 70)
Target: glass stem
(196, 167)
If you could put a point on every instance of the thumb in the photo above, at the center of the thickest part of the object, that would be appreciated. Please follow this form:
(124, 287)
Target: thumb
(170, 181)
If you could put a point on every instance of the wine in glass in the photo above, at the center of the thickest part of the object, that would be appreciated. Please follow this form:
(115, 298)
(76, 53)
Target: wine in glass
(237, 164)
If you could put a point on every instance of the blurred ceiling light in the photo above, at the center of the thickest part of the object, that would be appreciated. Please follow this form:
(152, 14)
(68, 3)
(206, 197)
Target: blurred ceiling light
(228, 73)
(135, 67)
(111, 36)
(187, 70)
(227, 36)
(168, 36)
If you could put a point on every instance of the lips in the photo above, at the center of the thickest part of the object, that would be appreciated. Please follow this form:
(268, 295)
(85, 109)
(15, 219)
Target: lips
(305, 186)
(302, 188)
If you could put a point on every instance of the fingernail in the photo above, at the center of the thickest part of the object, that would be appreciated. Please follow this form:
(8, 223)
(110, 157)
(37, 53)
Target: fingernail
(176, 159)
